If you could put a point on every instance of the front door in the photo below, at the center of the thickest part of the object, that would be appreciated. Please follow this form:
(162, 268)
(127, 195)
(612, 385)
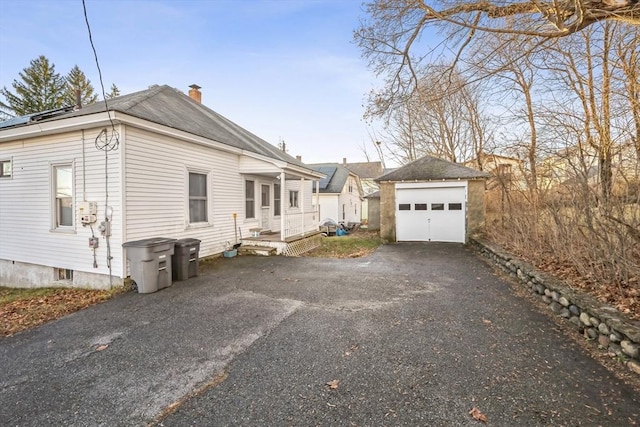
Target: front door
(266, 207)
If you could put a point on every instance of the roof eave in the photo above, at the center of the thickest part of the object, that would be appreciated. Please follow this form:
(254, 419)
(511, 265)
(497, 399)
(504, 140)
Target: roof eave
(57, 126)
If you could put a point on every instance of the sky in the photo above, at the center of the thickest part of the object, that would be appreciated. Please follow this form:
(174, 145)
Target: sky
(286, 70)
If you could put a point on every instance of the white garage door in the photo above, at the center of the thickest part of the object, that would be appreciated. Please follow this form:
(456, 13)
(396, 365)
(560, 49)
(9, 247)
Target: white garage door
(430, 214)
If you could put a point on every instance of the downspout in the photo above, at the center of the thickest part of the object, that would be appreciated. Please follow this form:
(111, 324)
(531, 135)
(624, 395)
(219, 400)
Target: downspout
(301, 202)
(317, 183)
(84, 171)
(282, 211)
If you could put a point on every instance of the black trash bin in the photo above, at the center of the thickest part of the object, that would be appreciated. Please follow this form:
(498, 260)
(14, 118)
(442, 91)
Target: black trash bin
(185, 259)
(150, 263)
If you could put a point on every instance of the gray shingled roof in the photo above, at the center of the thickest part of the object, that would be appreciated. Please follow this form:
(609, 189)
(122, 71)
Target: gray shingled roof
(365, 169)
(431, 168)
(336, 180)
(167, 106)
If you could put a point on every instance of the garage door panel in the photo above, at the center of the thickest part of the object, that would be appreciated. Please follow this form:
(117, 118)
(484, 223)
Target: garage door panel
(431, 214)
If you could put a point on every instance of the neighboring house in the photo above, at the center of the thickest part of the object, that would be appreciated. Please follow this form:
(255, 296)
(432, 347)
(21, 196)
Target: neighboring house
(367, 172)
(579, 164)
(78, 183)
(431, 199)
(340, 193)
(506, 172)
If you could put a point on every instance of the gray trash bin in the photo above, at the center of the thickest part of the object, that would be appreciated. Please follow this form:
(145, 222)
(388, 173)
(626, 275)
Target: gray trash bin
(150, 263)
(185, 259)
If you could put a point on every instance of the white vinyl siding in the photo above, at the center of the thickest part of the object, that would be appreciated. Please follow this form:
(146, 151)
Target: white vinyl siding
(26, 202)
(344, 206)
(156, 190)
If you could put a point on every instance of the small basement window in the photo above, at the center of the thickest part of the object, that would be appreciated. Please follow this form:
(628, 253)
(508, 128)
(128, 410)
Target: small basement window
(404, 206)
(63, 274)
(455, 206)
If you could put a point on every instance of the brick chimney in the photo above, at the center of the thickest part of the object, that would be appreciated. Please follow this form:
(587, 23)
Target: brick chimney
(299, 158)
(344, 160)
(195, 94)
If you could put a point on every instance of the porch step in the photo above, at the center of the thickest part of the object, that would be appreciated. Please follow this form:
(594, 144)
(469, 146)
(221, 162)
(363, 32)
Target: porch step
(257, 250)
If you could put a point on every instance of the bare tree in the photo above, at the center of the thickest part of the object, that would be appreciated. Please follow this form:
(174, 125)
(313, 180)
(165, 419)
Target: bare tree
(392, 38)
(588, 77)
(442, 121)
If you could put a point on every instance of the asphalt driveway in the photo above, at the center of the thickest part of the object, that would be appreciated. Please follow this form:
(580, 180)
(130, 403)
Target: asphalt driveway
(415, 334)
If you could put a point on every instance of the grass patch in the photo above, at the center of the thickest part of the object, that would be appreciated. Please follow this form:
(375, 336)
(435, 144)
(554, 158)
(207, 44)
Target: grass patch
(358, 244)
(21, 309)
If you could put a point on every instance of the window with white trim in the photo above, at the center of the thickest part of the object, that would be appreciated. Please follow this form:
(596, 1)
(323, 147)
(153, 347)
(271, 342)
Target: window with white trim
(6, 170)
(198, 200)
(250, 202)
(293, 198)
(276, 199)
(62, 187)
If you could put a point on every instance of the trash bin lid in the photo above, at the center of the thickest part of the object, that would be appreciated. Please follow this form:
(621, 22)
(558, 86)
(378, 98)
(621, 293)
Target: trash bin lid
(148, 243)
(182, 243)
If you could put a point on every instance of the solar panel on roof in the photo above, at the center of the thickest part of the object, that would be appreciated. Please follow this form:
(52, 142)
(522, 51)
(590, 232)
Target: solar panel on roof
(329, 171)
(15, 122)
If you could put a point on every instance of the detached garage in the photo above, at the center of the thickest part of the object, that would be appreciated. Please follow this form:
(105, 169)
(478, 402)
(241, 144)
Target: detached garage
(431, 200)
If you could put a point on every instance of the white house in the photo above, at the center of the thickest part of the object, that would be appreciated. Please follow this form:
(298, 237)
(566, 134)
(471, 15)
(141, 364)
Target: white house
(367, 172)
(340, 193)
(77, 183)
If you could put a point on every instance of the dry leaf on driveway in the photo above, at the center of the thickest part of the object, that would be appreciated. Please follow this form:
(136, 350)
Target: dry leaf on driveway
(477, 415)
(333, 384)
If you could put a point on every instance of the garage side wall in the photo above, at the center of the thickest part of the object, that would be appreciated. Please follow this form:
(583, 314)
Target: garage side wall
(373, 206)
(388, 211)
(475, 207)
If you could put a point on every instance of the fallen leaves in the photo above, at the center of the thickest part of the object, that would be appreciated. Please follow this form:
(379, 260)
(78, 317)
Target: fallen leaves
(477, 415)
(333, 384)
(22, 309)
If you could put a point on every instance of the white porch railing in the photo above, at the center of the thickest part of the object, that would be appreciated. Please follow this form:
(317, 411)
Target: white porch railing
(296, 223)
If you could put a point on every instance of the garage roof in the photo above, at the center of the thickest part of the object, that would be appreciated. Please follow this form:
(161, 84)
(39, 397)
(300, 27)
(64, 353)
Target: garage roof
(430, 168)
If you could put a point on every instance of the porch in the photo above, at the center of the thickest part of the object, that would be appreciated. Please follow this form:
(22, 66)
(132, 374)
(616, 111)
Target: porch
(272, 243)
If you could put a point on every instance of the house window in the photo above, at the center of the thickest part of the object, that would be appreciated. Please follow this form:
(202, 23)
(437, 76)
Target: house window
(62, 179)
(421, 206)
(276, 199)
(455, 206)
(437, 206)
(293, 198)
(197, 197)
(350, 186)
(249, 196)
(265, 196)
(404, 207)
(5, 169)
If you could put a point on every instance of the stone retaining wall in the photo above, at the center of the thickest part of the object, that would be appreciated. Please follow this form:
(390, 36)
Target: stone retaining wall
(599, 323)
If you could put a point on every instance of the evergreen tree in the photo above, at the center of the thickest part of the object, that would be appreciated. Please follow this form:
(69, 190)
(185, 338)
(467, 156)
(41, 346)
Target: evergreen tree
(114, 91)
(77, 80)
(39, 89)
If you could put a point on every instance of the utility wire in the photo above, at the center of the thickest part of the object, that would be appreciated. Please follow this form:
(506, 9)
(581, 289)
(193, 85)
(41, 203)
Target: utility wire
(105, 146)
